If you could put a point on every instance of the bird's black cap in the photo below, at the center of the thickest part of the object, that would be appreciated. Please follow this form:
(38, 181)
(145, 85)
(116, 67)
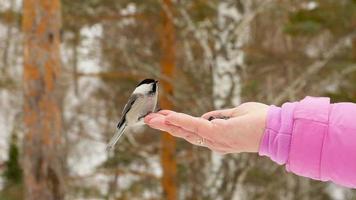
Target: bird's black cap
(147, 81)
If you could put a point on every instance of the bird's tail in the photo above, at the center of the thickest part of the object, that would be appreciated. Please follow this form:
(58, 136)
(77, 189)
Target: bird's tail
(116, 137)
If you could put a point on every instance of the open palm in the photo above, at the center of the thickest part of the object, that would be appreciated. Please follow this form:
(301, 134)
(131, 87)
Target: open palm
(241, 132)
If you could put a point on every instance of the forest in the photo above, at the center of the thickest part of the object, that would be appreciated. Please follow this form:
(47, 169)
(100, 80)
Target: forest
(68, 67)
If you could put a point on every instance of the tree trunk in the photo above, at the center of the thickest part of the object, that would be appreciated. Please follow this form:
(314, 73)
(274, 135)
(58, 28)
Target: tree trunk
(168, 143)
(43, 169)
(354, 47)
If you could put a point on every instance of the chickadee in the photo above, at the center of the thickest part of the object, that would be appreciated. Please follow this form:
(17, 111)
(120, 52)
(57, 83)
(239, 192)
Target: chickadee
(142, 101)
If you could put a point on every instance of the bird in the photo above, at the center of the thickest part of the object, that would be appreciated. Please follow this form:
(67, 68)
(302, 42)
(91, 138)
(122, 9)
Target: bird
(142, 102)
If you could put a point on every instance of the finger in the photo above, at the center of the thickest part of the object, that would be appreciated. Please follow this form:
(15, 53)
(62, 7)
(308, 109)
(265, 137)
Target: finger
(160, 124)
(150, 116)
(217, 113)
(189, 123)
(165, 112)
(194, 140)
(178, 132)
(221, 122)
(199, 141)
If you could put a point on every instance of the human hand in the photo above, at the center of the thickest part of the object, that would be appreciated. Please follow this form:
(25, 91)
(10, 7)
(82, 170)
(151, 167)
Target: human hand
(242, 132)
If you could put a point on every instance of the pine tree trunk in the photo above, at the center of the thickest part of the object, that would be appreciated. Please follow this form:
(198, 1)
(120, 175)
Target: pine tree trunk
(354, 48)
(43, 171)
(168, 143)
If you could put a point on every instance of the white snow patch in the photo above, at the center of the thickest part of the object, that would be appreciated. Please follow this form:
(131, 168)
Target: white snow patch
(94, 156)
(130, 9)
(89, 50)
(311, 5)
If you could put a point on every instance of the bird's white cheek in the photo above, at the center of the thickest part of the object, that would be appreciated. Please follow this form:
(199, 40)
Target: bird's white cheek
(142, 89)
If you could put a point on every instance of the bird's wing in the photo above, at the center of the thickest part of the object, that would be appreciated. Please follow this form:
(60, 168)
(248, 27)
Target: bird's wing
(116, 137)
(127, 107)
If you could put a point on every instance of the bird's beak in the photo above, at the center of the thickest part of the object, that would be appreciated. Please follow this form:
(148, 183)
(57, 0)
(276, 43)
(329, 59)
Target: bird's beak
(156, 81)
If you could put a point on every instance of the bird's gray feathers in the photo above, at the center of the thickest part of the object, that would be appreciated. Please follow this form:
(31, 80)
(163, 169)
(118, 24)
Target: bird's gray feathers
(142, 101)
(116, 137)
(129, 103)
(127, 107)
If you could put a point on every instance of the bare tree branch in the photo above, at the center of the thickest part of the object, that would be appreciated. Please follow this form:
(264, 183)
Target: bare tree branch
(298, 83)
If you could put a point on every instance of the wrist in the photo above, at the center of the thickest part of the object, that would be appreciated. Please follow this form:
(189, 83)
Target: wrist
(257, 123)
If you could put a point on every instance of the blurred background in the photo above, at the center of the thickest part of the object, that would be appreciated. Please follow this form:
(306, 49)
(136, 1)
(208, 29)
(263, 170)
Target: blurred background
(67, 68)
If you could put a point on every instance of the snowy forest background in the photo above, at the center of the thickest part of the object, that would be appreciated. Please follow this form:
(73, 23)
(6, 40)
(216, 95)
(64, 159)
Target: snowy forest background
(208, 55)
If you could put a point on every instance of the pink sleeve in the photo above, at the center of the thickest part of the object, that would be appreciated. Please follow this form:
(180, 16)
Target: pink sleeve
(313, 138)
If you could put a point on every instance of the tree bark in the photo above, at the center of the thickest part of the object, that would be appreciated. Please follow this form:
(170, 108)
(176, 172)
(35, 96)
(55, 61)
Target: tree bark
(43, 169)
(354, 47)
(168, 143)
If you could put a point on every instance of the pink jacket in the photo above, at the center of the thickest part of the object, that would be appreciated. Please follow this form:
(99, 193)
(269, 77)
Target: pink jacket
(313, 138)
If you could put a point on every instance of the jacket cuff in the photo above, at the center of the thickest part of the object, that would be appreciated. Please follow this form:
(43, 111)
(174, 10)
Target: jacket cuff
(311, 119)
(275, 142)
